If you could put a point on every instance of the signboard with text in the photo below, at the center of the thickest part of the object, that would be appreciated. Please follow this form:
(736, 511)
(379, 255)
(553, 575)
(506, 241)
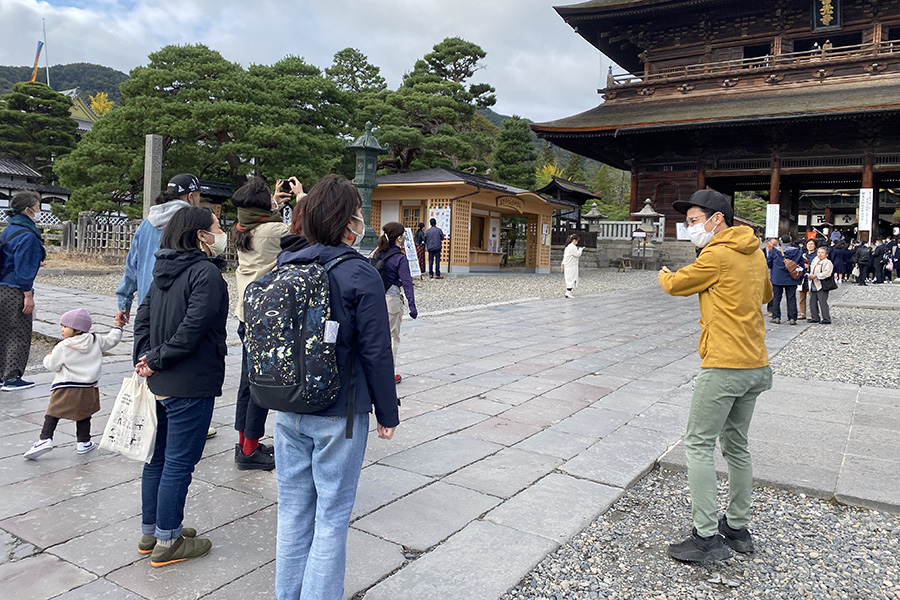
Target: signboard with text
(865, 209)
(409, 246)
(773, 218)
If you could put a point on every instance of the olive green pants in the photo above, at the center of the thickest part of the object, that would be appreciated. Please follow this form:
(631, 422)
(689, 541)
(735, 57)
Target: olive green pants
(721, 408)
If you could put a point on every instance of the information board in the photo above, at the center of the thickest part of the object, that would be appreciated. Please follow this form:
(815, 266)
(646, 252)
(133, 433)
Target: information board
(441, 214)
(773, 217)
(865, 209)
(409, 246)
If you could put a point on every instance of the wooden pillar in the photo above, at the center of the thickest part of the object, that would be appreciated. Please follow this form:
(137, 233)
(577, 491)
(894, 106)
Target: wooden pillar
(775, 181)
(634, 189)
(701, 175)
(868, 181)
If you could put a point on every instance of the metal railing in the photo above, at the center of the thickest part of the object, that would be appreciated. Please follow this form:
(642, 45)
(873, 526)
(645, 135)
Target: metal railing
(773, 61)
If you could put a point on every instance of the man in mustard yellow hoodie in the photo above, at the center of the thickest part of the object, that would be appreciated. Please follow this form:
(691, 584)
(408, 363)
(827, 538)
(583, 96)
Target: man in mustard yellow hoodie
(731, 278)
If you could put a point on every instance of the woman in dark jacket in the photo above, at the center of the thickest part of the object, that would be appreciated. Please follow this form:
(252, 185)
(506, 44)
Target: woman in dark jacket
(179, 345)
(317, 465)
(23, 253)
(808, 257)
(395, 275)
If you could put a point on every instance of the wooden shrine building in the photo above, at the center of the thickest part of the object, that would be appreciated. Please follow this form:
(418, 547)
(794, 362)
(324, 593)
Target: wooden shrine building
(797, 99)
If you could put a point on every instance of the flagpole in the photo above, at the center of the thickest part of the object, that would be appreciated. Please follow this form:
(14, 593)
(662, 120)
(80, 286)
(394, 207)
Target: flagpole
(46, 58)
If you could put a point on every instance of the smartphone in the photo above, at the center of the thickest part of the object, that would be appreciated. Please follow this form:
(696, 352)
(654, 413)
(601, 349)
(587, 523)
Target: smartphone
(286, 186)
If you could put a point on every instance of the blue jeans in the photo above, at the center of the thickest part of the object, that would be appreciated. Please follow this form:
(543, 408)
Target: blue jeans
(182, 424)
(434, 262)
(318, 471)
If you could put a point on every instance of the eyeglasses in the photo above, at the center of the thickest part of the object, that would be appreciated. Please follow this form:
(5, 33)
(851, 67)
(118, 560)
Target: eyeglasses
(694, 220)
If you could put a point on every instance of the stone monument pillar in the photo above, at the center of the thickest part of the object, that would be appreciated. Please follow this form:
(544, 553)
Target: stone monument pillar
(153, 153)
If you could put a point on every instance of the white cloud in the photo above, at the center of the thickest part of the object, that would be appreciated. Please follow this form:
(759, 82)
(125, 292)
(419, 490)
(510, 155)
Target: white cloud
(542, 70)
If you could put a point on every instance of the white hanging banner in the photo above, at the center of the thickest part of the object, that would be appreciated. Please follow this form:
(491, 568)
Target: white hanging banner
(773, 218)
(865, 209)
(409, 246)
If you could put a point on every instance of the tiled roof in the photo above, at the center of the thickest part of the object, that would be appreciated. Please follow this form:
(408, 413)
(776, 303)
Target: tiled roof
(723, 109)
(14, 166)
(35, 187)
(444, 175)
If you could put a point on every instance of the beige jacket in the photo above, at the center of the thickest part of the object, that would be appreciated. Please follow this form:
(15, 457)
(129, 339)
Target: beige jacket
(822, 269)
(257, 262)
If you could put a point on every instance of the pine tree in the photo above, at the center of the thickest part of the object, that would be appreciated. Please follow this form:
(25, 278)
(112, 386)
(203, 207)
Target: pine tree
(515, 154)
(573, 171)
(546, 157)
(36, 127)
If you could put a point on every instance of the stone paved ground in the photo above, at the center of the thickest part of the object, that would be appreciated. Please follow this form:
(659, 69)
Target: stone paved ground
(521, 424)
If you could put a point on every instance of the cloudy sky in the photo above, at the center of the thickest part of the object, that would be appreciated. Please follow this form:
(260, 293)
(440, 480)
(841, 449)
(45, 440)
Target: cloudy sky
(542, 70)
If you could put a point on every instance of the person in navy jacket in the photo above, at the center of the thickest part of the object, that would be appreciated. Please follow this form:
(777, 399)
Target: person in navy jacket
(23, 254)
(317, 466)
(782, 283)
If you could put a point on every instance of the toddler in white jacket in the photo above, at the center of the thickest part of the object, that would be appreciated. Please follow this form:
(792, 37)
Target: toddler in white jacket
(77, 362)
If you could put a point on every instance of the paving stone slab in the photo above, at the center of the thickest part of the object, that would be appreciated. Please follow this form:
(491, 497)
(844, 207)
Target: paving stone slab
(557, 507)
(870, 482)
(13, 425)
(593, 423)
(501, 431)
(533, 384)
(238, 548)
(408, 435)
(369, 559)
(59, 485)
(876, 442)
(259, 583)
(663, 417)
(622, 457)
(13, 549)
(448, 419)
(825, 435)
(51, 525)
(508, 397)
(542, 411)
(380, 485)
(448, 394)
(879, 416)
(505, 473)
(633, 402)
(483, 561)
(575, 391)
(99, 589)
(442, 456)
(427, 516)
(39, 577)
(481, 405)
(554, 442)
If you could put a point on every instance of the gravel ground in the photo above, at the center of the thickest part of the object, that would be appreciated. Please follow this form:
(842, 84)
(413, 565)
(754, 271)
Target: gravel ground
(859, 347)
(432, 295)
(805, 548)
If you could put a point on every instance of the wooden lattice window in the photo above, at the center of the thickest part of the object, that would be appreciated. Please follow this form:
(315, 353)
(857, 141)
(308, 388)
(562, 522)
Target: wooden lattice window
(412, 217)
(666, 195)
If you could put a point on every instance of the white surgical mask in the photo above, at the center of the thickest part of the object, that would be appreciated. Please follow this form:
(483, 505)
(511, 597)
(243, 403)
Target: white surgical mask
(218, 246)
(700, 237)
(358, 236)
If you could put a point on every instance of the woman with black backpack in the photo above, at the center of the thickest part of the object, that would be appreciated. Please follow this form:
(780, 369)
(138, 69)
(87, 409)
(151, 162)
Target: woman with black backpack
(317, 460)
(390, 260)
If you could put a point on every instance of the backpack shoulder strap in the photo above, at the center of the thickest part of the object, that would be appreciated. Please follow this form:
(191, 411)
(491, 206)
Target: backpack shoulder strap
(16, 234)
(335, 261)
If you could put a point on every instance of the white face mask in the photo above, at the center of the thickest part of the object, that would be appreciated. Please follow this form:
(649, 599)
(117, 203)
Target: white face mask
(357, 236)
(700, 237)
(219, 245)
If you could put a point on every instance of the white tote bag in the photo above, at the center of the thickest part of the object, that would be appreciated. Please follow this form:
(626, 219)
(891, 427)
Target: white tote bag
(131, 428)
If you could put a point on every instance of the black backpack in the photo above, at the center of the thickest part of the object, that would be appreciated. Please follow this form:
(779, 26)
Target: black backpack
(291, 341)
(377, 260)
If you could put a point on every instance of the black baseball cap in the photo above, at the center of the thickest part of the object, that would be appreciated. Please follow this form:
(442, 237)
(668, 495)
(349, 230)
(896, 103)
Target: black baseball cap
(710, 200)
(185, 183)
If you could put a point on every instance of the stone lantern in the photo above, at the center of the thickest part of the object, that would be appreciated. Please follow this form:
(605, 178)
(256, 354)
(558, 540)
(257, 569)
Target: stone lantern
(648, 217)
(367, 150)
(593, 217)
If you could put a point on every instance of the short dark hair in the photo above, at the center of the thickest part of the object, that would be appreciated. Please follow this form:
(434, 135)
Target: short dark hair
(181, 232)
(22, 201)
(330, 205)
(786, 239)
(253, 194)
(297, 215)
(433, 222)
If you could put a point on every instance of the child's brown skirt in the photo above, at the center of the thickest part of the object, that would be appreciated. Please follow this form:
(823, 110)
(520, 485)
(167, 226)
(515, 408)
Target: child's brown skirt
(74, 403)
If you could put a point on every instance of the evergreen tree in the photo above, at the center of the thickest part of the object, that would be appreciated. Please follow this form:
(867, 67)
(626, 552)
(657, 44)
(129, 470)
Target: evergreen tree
(515, 154)
(352, 72)
(573, 171)
(217, 121)
(429, 120)
(609, 183)
(546, 157)
(36, 127)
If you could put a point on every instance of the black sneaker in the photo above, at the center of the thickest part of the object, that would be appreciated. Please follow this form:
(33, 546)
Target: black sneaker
(700, 549)
(14, 385)
(738, 540)
(270, 450)
(258, 460)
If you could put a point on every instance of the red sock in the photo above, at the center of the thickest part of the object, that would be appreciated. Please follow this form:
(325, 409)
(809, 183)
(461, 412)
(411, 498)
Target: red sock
(241, 438)
(250, 446)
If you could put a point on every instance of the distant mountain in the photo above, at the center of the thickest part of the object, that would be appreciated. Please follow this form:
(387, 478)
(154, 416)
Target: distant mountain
(88, 78)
